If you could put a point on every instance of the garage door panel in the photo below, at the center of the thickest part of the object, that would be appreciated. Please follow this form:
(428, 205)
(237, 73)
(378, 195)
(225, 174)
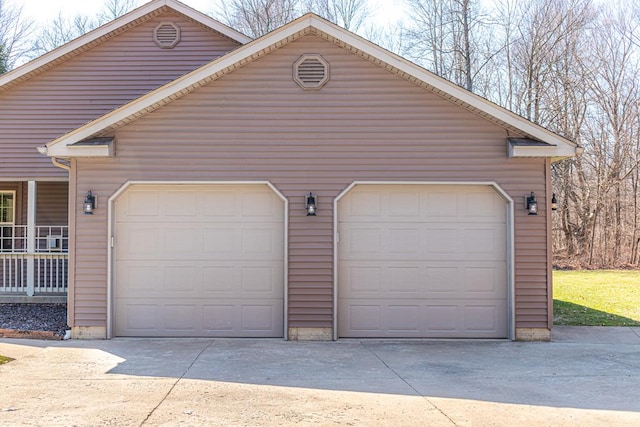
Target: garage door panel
(202, 241)
(212, 268)
(378, 204)
(432, 279)
(233, 318)
(192, 279)
(422, 241)
(417, 319)
(180, 204)
(138, 205)
(422, 261)
(484, 243)
(140, 240)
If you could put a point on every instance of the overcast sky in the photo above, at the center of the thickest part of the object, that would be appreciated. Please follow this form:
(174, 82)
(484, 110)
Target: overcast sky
(43, 10)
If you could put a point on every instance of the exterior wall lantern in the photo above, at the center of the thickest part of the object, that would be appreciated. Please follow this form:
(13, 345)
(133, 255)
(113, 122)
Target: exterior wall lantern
(89, 204)
(554, 202)
(532, 204)
(311, 204)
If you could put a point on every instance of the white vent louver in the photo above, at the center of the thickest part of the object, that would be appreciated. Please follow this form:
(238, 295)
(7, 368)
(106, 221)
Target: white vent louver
(311, 71)
(166, 35)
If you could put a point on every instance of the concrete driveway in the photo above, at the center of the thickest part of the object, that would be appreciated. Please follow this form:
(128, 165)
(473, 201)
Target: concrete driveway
(586, 376)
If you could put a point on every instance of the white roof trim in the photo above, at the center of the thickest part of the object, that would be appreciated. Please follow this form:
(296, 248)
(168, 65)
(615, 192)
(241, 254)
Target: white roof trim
(187, 83)
(548, 151)
(114, 25)
(522, 147)
(82, 149)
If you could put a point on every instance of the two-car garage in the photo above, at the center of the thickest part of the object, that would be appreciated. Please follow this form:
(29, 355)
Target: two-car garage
(208, 260)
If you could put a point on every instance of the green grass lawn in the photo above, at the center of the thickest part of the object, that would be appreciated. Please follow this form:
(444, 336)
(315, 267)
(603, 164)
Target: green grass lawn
(596, 298)
(4, 359)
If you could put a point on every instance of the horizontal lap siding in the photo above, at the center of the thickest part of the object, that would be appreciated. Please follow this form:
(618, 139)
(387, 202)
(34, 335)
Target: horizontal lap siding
(52, 203)
(92, 84)
(365, 124)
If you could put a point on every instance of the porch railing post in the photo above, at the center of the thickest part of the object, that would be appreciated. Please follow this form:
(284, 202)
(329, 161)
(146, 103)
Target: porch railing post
(31, 237)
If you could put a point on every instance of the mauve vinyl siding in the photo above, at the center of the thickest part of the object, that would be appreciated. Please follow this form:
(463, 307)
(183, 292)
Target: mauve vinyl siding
(52, 203)
(92, 84)
(365, 124)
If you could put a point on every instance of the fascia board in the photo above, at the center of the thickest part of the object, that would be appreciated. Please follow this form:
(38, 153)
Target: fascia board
(550, 151)
(183, 84)
(69, 151)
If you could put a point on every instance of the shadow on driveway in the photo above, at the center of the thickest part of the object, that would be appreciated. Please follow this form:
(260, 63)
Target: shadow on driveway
(570, 373)
(591, 372)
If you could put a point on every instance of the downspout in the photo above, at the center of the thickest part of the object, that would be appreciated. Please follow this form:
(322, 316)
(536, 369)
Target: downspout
(43, 149)
(56, 162)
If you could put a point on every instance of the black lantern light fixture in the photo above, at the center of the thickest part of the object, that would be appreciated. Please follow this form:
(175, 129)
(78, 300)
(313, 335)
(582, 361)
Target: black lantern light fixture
(311, 204)
(532, 204)
(554, 202)
(89, 204)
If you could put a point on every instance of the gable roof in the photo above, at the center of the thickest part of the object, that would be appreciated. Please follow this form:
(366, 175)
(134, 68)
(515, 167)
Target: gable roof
(115, 27)
(555, 146)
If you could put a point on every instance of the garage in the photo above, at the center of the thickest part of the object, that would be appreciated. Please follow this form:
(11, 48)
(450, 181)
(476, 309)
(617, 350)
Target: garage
(422, 261)
(199, 261)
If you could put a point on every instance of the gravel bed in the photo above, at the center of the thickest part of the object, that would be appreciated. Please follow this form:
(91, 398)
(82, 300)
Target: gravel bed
(34, 317)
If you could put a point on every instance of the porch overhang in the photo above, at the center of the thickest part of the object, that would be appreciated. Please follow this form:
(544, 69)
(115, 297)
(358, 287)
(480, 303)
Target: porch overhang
(91, 147)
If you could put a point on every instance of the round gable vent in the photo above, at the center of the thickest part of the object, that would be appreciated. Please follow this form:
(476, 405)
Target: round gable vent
(311, 71)
(166, 35)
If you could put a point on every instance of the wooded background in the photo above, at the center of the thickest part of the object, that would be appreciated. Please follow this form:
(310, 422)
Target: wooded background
(571, 66)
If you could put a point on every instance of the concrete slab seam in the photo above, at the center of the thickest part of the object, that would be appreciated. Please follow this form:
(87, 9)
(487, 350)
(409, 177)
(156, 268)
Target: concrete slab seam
(407, 383)
(195, 359)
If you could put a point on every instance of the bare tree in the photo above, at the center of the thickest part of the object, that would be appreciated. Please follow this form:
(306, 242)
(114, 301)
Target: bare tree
(113, 9)
(391, 37)
(63, 29)
(257, 17)
(613, 133)
(444, 35)
(15, 30)
(589, 91)
(3, 66)
(349, 14)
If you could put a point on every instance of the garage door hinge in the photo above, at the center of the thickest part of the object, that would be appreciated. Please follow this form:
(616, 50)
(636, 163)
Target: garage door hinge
(112, 241)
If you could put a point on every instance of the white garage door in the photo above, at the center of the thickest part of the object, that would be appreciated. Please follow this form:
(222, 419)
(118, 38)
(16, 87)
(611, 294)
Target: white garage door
(422, 261)
(199, 261)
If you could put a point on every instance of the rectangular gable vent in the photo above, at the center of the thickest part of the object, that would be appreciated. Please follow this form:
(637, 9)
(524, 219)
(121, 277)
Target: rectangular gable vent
(166, 35)
(311, 71)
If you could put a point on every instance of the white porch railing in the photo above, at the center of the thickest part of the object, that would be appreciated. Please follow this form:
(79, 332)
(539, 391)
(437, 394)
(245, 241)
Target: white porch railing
(43, 270)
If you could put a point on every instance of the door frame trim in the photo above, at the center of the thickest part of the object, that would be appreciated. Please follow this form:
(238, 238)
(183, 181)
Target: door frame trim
(111, 235)
(510, 241)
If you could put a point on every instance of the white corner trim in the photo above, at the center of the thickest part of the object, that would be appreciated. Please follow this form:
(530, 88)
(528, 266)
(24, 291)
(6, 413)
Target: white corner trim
(510, 242)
